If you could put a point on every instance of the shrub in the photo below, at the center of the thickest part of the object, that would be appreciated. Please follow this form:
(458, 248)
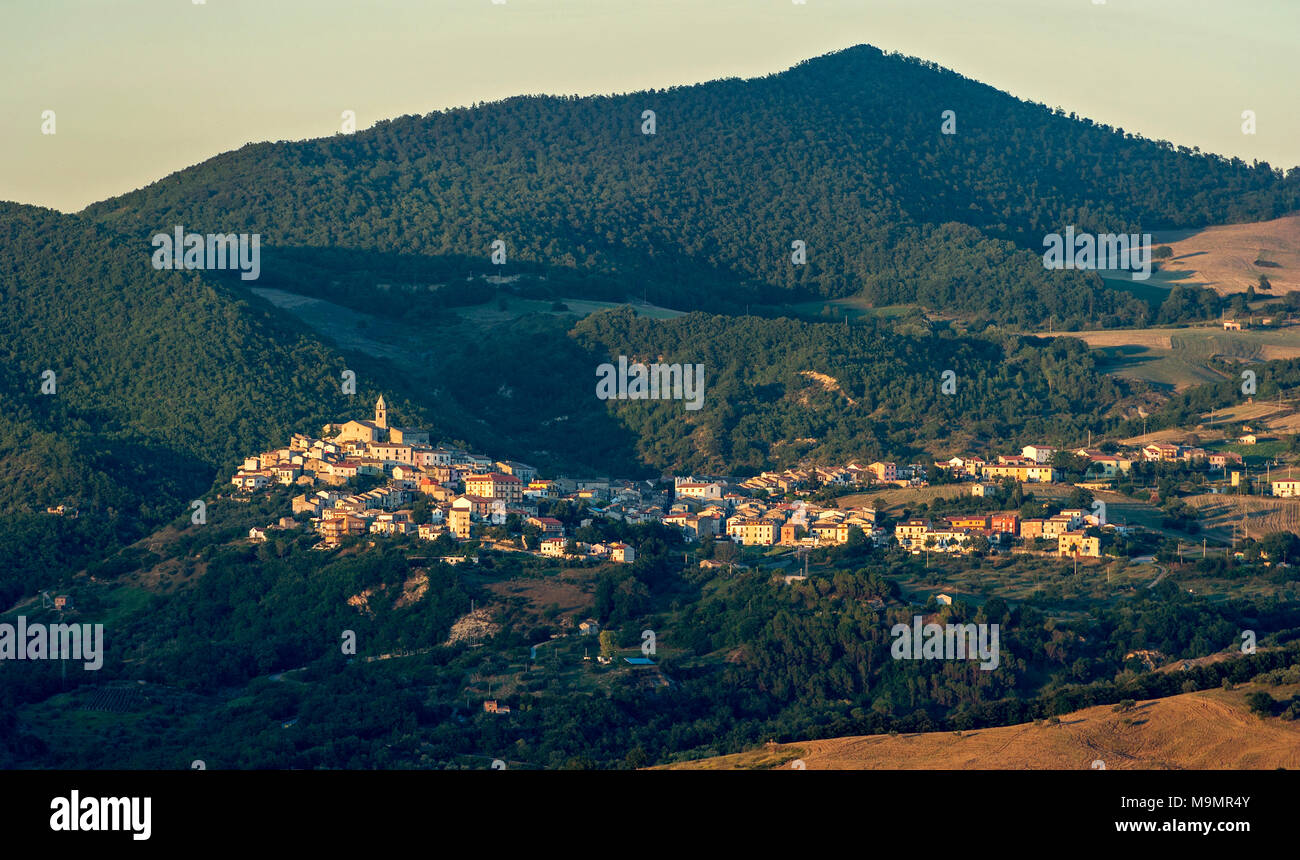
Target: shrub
(1260, 703)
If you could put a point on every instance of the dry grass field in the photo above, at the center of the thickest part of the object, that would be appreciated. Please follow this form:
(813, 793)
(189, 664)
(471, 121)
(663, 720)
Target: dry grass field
(1211, 730)
(1225, 258)
(1181, 357)
(897, 498)
(562, 594)
(1261, 515)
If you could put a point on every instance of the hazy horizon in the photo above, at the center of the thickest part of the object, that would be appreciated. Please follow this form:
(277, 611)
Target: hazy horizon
(287, 71)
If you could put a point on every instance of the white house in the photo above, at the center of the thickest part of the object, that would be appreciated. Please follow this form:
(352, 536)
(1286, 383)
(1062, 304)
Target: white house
(1286, 489)
(1040, 454)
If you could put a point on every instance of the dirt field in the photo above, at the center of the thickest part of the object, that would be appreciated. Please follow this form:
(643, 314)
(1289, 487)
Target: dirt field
(1211, 730)
(538, 594)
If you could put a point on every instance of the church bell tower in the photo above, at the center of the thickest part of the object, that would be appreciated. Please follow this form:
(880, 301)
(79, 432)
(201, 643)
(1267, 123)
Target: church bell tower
(381, 413)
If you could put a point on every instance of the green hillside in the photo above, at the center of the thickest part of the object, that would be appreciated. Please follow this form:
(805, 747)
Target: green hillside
(161, 379)
(844, 152)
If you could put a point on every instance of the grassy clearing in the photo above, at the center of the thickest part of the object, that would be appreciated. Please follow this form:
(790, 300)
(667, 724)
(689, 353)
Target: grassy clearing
(853, 307)
(491, 313)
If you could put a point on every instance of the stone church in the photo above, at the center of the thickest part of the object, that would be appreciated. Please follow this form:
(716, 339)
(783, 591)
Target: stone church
(378, 430)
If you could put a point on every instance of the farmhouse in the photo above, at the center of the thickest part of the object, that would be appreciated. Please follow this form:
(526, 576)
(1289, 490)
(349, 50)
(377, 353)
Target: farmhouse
(1161, 452)
(1075, 544)
(554, 547)
(1286, 489)
(1221, 459)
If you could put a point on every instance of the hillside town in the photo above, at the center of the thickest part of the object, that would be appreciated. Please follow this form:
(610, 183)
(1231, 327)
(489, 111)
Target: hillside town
(460, 494)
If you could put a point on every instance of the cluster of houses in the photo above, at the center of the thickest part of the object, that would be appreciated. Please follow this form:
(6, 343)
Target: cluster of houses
(414, 469)
(961, 533)
(1034, 463)
(467, 491)
(705, 508)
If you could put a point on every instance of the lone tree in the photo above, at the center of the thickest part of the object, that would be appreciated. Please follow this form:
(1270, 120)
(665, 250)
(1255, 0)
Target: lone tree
(607, 644)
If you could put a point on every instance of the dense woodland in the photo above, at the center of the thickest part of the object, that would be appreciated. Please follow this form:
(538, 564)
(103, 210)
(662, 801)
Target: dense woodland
(161, 379)
(760, 410)
(702, 213)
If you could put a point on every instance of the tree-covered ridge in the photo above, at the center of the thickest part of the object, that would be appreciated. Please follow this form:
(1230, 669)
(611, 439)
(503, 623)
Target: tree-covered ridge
(167, 356)
(763, 406)
(844, 152)
(161, 380)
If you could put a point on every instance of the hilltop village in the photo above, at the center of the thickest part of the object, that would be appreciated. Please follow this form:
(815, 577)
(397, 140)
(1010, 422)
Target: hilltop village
(460, 494)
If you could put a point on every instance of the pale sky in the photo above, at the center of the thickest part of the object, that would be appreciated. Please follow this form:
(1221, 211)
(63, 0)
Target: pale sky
(142, 88)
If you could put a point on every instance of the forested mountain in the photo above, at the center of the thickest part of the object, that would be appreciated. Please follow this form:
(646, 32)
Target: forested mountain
(844, 152)
(160, 380)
